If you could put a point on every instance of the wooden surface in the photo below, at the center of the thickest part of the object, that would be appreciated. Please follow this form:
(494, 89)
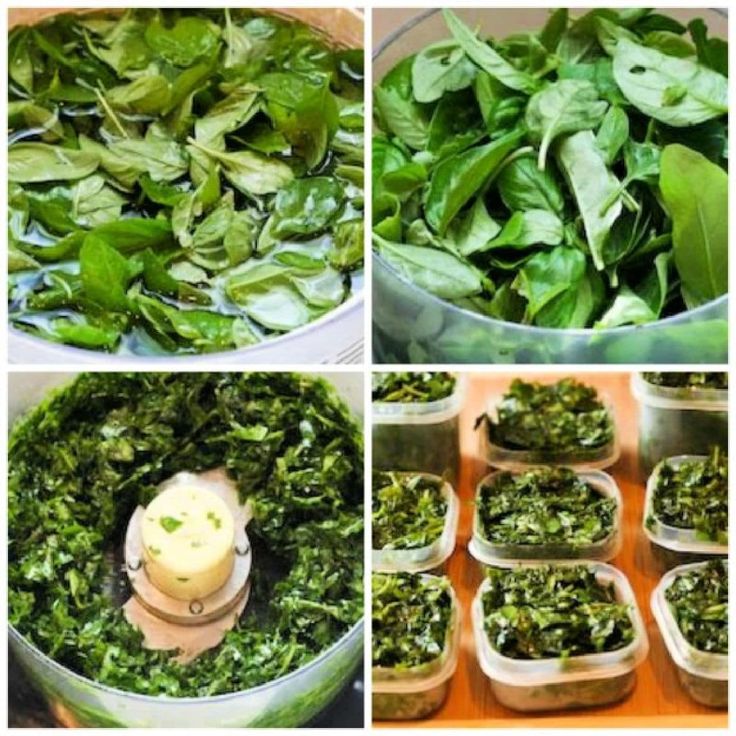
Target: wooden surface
(658, 700)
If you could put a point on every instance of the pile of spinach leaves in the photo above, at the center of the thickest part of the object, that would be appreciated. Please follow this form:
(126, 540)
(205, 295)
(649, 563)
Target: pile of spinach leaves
(688, 380)
(698, 600)
(181, 181)
(694, 495)
(408, 510)
(411, 619)
(82, 461)
(412, 388)
(566, 178)
(545, 505)
(562, 416)
(553, 611)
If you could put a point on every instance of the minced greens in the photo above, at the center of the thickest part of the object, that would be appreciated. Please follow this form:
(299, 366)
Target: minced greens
(411, 388)
(408, 510)
(566, 415)
(544, 506)
(553, 611)
(81, 462)
(688, 380)
(694, 495)
(411, 619)
(181, 180)
(698, 599)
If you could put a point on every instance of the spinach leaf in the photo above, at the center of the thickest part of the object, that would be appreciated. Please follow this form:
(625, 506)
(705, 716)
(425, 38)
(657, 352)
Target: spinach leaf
(699, 227)
(439, 68)
(566, 106)
(523, 186)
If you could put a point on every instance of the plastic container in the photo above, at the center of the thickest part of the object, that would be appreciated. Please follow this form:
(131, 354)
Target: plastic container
(417, 692)
(507, 555)
(594, 458)
(336, 337)
(431, 558)
(671, 545)
(558, 684)
(704, 675)
(291, 700)
(675, 421)
(423, 437)
(412, 326)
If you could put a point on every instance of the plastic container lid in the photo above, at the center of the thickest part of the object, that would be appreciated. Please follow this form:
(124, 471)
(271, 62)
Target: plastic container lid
(678, 397)
(427, 412)
(427, 676)
(432, 555)
(509, 555)
(672, 537)
(584, 458)
(709, 665)
(555, 671)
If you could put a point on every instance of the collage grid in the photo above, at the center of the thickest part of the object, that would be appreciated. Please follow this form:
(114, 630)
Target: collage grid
(351, 324)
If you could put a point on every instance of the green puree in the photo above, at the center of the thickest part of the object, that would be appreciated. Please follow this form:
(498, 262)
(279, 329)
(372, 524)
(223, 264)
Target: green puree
(181, 181)
(82, 461)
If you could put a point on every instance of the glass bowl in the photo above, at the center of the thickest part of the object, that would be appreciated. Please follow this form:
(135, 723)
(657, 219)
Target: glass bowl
(413, 326)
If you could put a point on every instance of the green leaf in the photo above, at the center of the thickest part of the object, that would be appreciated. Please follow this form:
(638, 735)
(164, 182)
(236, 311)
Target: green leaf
(487, 58)
(523, 186)
(30, 163)
(699, 221)
(647, 78)
(612, 134)
(231, 113)
(163, 160)
(439, 68)
(146, 95)
(458, 178)
(307, 206)
(566, 106)
(440, 273)
(592, 185)
(105, 274)
(189, 40)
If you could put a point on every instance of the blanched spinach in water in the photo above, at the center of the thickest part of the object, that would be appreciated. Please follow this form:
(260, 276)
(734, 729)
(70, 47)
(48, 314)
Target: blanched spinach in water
(546, 178)
(181, 181)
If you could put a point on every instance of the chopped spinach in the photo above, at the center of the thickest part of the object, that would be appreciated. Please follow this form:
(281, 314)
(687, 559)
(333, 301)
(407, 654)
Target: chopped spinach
(412, 388)
(553, 612)
(562, 416)
(694, 495)
(411, 619)
(698, 600)
(544, 506)
(80, 463)
(688, 380)
(180, 181)
(546, 178)
(408, 510)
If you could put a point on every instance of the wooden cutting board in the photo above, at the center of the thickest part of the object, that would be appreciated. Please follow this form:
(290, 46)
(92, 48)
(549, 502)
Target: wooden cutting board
(658, 700)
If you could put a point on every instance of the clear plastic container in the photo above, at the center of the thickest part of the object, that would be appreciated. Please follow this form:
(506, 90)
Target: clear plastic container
(557, 684)
(584, 458)
(704, 675)
(671, 545)
(291, 700)
(336, 337)
(423, 437)
(429, 559)
(417, 692)
(507, 555)
(675, 421)
(412, 326)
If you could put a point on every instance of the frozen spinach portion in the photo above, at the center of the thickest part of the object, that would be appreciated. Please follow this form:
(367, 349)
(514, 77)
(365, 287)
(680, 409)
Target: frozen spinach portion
(545, 178)
(545, 505)
(181, 180)
(566, 415)
(699, 602)
(412, 388)
(553, 611)
(408, 510)
(688, 380)
(411, 619)
(694, 495)
(81, 461)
